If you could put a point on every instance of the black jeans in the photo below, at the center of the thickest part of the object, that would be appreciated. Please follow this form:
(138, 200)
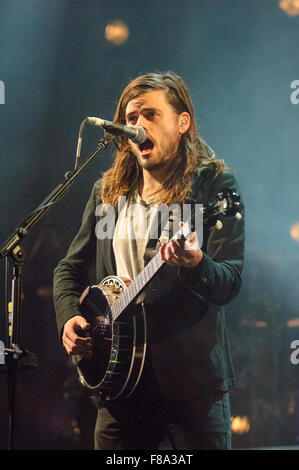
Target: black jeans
(143, 423)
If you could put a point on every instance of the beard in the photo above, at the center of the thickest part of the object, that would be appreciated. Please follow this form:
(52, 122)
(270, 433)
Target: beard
(165, 157)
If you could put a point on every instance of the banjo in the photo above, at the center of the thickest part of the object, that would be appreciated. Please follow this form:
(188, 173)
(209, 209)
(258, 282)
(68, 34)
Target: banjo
(118, 325)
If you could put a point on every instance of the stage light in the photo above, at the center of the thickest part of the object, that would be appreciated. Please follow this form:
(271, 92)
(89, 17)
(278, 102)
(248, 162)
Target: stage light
(240, 424)
(290, 7)
(293, 323)
(294, 231)
(117, 32)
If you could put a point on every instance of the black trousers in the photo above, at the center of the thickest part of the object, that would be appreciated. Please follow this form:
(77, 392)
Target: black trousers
(143, 422)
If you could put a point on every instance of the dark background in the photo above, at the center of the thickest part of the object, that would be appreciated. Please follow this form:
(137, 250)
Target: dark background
(238, 58)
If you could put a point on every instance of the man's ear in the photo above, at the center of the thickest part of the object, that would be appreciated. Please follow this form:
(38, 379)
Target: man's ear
(184, 122)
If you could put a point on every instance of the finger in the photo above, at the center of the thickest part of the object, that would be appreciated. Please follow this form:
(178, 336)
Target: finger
(177, 251)
(170, 257)
(82, 324)
(170, 252)
(185, 248)
(77, 345)
(192, 243)
(177, 247)
(77, 339)
(73, 348)
(162, 251)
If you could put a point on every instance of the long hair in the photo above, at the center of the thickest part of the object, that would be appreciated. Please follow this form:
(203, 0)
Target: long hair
(195, 154)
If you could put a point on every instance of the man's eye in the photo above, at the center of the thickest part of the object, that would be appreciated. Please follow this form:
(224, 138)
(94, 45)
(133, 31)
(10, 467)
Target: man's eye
(151, 115)
(132, 120)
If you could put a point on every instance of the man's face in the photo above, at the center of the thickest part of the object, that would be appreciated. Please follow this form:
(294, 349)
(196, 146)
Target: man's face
(163, 127)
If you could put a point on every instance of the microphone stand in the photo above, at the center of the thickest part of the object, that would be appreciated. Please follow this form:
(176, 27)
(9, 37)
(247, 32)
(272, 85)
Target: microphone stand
(12, 249)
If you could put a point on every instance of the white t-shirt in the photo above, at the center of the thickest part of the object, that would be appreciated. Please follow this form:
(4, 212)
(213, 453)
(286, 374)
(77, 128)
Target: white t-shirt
(131, 235)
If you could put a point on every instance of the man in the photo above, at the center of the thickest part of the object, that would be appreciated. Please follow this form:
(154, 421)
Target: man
(188, 372)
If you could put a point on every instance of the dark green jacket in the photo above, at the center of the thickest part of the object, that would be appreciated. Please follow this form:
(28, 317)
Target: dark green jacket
(189, 347)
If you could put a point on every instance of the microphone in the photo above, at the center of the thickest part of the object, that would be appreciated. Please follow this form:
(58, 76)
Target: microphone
(136, 134)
